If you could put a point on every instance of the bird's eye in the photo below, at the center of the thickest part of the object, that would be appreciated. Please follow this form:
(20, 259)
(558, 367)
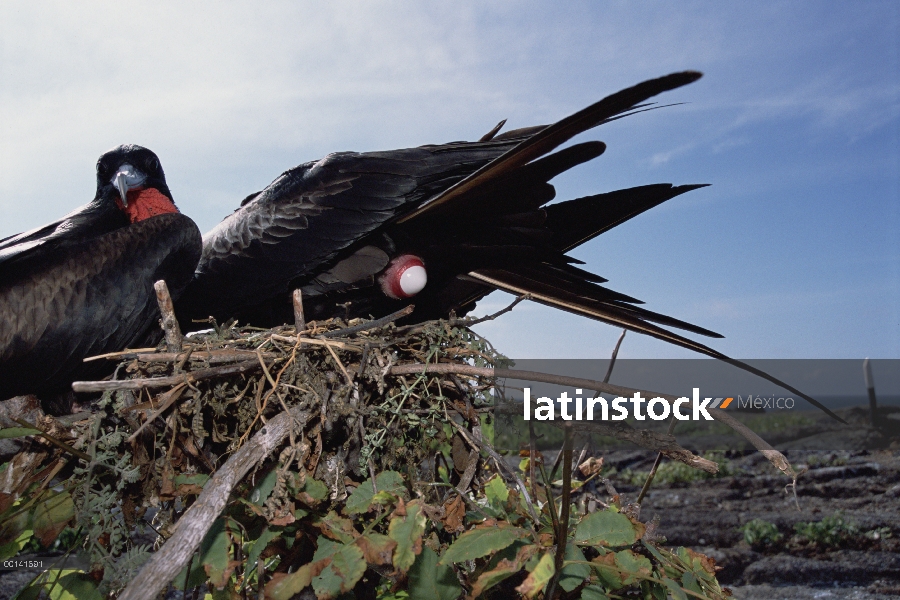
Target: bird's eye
(154, 164)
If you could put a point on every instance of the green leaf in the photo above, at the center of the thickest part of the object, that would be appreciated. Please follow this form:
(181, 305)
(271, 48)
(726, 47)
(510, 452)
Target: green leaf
(350, 565)
(326, 549)
(52, 513)
(655, 552)
(674, 589)
(504, 570)
(383, 498)
(701, 565)
(14, 521)
(215, 555)
(607, 528)
(256, 548)
(73, 585)
(504, 564)
(428, 579)
(346, 568)
(327, 580)
(316, 490)
(511, 553)
(198, 479)
(377, 549)
(407, 531)
(32, 591)
(14, 432)
(361, 499)
(61, 584)
(689, 582)
(638, 566)
(608, 570)
(497, 493)
(15, 546)
(481, 541)
(285, 586)
(654, 591)
(622, 568)
(337, 527)
(574, 574)
(537, 580)
(593, 592)
(264, 488)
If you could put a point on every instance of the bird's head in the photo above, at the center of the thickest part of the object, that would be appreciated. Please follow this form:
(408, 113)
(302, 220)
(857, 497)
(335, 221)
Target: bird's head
(132, 178)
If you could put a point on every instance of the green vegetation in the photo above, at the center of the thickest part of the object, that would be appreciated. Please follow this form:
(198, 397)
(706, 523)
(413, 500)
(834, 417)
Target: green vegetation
(834, 531)
(817, 461)
(761, 534)
(674, 472)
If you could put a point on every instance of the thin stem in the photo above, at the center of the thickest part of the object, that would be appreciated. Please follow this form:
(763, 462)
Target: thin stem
(615, 353)
(652, 473)
(562, 530)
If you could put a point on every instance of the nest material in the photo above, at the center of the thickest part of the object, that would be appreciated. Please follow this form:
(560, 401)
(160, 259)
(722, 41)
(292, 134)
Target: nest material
(335, 405)
(341, 417)
(227, 382)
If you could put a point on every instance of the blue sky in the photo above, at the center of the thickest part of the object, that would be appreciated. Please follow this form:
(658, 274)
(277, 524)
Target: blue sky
(792, 252)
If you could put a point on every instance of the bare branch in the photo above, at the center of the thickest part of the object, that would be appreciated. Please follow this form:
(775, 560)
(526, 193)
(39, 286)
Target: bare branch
(368, 326)
(169, 323)
(172, 380)
(226, 355)
(299, 319)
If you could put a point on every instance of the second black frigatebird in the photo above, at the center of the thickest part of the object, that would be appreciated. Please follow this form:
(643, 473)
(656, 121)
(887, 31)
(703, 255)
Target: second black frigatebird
(83, 285)
(361, 234)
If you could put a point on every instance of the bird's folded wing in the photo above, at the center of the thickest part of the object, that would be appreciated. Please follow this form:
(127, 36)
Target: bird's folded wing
(318, 213)
(71, 229)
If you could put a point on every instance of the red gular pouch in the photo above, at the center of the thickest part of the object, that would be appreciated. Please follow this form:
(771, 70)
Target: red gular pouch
(144, 203)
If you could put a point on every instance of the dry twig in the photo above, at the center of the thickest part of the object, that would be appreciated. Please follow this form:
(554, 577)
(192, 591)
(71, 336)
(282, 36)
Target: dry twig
(169, 323)
(172, 380)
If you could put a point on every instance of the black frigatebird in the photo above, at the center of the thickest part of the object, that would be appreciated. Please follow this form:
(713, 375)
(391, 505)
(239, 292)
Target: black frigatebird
(83, 285)
(362, 233)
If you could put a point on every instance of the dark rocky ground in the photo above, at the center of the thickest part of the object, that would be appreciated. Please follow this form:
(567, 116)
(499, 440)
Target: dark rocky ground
(861, 486)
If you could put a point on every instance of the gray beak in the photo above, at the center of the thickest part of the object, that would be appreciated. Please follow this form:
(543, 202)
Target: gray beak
(127, 178)
(120, 182)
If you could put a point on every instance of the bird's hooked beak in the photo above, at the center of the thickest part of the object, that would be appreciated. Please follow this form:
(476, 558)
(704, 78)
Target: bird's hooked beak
(127, 178)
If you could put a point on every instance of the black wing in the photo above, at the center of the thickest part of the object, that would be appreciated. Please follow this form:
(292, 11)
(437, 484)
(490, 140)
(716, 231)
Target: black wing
(84, 222)
(316, 214)
(90, 297)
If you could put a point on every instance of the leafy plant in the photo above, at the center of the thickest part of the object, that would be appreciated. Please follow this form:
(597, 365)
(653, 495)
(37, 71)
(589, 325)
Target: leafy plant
(832, 531)
(761, 534)
(674, 472)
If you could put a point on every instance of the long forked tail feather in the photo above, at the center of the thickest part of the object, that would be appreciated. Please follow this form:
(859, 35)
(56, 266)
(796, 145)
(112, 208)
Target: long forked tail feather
(549, 138)
(577, 221)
